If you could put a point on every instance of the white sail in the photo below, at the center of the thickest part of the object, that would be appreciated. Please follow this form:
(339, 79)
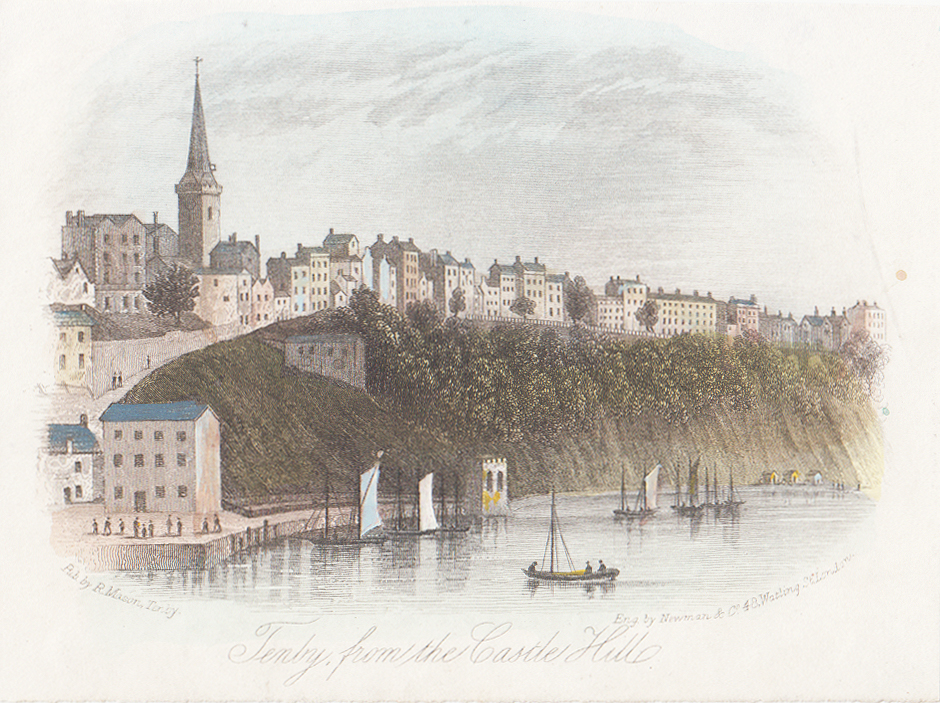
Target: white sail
(652, 486)
(369, 500)
(426, 504)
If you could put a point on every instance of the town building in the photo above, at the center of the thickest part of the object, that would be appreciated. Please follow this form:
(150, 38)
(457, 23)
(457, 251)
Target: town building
(162, 457)
(681, 313)
(71, 463)
(112, 252)
(338, 356)
(73, 349)
(262, 303)
(555, 297)
(811, 330)
(224, 296)
(163, 248)
(502, 278)
(870, 318)
(836, 330)
(310, 280)
(237, 254)
(742, 315)
(778, 329)
(403, 271)
(199, 194)
(69, 284)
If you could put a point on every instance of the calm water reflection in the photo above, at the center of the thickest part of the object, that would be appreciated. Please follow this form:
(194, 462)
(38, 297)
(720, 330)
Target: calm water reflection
(780, 536)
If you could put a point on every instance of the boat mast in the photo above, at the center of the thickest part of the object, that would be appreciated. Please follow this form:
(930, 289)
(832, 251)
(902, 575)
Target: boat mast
(326, 500)
(357, 496)
(443, 500)
(622, 488)
(399, 500)
(456, 499)
(551, 551)
(706, 485)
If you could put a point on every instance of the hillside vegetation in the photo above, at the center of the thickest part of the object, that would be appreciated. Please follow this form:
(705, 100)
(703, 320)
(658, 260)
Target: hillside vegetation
(566, 410)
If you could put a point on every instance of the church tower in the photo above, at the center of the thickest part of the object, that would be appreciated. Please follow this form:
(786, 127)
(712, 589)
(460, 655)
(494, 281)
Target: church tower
(199, 194)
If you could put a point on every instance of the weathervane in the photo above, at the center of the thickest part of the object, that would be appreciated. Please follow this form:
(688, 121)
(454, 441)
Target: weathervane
(197, 60)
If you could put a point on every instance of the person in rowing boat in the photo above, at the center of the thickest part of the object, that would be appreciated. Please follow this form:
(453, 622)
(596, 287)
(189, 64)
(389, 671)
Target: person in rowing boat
(601, 569)
(533, 567)
(588, 570)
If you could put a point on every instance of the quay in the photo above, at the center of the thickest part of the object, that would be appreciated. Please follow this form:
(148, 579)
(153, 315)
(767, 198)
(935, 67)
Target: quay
(72, 537)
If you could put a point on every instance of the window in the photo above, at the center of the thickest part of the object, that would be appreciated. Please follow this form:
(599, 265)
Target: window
(84, 288)
(224, 298)
(78, 491)
(159, 491)
(180, 436)
(106, 256)
(107, 239)
(62, 361)
(78, 467)
(107, 301)
(210, 213)
(124, 260)
(118, 459)
(181, 491)
(158, 460)
(138, 460)
(61, 336)
(81, 336)
(81, 361)
(158, 435)
(215, 282)
(118, 492)
(156, 245)
(181, 460)
(138, 434)
(136, 241)
(118, 434)
(126, 302)
(123, 239)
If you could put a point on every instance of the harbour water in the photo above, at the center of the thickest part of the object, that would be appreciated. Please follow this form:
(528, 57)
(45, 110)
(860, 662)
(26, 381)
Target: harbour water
(781, 537)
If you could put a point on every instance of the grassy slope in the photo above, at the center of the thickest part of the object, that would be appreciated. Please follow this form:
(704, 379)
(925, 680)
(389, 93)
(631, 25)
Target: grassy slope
(280, 432)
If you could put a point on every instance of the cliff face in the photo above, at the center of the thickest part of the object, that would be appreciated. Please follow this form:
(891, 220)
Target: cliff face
(843, 443)
(283, 432)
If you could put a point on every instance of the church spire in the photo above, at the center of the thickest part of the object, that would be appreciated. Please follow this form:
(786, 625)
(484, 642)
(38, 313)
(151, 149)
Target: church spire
(199, 166)
(199, 193)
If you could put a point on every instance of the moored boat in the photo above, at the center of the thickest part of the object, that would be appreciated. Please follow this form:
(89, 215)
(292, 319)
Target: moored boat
(646, 499)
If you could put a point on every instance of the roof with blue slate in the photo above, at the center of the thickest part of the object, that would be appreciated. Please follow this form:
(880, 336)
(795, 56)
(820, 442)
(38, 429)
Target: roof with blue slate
(173, 412)
(83, 439)
(72, 318)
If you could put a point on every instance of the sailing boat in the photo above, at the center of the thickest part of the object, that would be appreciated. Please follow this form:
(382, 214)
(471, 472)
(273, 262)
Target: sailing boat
(731, 504)
(690, 509)
(455, 523)
(551, 548)
(427, 520)
(366, 514)
(645, 499)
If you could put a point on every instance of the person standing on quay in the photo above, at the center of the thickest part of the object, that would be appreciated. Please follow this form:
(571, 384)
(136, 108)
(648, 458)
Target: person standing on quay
(179, 527)
(121, 527)
(150, 528)
(169, 525)
(107, 526)
(136, 528)
(94, 526)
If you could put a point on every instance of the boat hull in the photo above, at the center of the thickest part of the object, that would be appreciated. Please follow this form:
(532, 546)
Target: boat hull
(633, 514)
(572, 577)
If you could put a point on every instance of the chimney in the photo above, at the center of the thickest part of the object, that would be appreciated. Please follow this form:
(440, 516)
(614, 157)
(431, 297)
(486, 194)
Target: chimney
(833, 310)
(411, 240)
(816, 311)
(83, 420)
(331, 230)
(518, 259)
(660, 290)
(68, 217)
(709, 294)
(537, 260)
(678, 291)
(299, 247)
(156, 215)
(283, 254)
(258, 243)
(638, 278)
(753, 298)
(695, 293)
(381, 237)
(80, 216)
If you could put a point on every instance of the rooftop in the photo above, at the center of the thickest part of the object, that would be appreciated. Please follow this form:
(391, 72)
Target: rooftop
(72, 318)
(83, 439)
(174, 412)
(315, 338)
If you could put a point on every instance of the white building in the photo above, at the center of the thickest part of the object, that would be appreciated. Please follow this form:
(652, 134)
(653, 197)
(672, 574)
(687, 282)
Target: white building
(338, 356)
(162, 457)
(71, 464)
(870, 318)
(224, 297)
(69, 283)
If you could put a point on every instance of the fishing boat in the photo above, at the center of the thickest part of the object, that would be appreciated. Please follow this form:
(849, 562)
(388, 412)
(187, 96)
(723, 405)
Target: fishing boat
(731, 504)
(455, 527)
(365, 528)
(427, 523)
(646, 497)
(691, 508)
(573, 575)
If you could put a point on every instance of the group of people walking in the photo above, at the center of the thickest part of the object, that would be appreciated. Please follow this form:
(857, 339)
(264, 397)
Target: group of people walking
(142, 531)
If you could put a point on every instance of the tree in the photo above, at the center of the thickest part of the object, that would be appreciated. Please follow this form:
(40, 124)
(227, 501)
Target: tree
(866, 359)
(173, 292)
(648, 314)
(579, 298)
(457, 302)
(523, 307)
(423, 316)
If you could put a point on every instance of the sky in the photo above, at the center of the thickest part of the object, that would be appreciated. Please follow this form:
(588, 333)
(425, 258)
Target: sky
(701, 160)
